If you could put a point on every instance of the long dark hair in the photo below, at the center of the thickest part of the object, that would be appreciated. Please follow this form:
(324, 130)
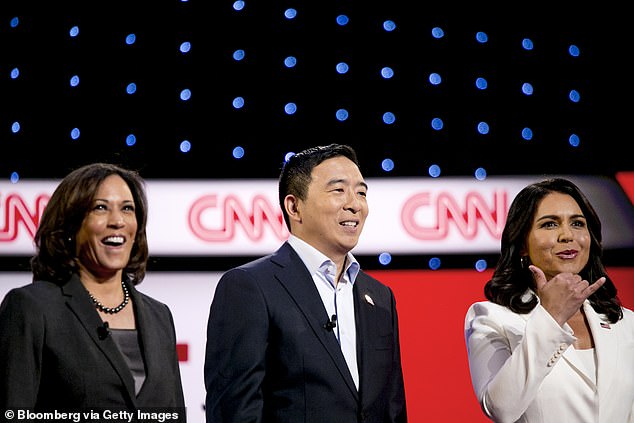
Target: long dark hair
(511, 279)
(62, 218)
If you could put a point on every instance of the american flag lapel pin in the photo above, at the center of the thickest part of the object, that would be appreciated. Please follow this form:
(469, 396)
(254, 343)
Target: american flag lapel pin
(605, 325)
(369, 299)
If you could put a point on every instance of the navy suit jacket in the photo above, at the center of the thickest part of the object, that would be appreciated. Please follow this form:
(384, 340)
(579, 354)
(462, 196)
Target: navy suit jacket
(270, 359)
(53, 357)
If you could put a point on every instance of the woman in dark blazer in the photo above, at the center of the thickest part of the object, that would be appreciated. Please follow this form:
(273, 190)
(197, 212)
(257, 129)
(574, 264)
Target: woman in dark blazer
(81, 336)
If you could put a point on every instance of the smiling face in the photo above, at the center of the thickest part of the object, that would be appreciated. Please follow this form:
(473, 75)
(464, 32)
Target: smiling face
(106, 236)
(332, 215)
(559, 239)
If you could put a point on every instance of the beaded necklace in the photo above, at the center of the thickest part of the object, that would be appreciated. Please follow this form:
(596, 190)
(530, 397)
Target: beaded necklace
(113, 310)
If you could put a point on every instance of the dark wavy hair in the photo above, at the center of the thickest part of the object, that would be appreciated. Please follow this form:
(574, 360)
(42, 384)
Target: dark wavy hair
(62, 218)
(511, 279)
(296, 172)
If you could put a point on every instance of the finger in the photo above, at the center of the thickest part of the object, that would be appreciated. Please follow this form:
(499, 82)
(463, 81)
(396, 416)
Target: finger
(596, 285)
(538, 276)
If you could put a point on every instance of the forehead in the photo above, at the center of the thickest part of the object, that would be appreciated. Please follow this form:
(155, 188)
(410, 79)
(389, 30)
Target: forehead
(335, 167)
(558, 203)
(113, 184)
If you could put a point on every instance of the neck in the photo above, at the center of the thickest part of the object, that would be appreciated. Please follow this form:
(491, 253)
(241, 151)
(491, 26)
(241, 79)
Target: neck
(101, 282)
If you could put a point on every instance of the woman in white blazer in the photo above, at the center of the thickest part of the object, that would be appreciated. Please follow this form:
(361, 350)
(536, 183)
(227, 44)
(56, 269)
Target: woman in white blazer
(553, 342)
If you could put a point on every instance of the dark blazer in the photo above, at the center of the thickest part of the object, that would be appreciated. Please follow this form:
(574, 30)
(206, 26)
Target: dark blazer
(269, 357)
(53, 357)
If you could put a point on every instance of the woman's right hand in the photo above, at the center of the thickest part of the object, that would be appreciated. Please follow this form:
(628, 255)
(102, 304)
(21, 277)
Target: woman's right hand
(564, 294)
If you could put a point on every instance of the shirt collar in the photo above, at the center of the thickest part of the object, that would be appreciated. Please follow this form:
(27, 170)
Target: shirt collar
(315, 260)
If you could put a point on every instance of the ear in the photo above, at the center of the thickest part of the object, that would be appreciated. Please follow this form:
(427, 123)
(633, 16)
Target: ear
(292, 206)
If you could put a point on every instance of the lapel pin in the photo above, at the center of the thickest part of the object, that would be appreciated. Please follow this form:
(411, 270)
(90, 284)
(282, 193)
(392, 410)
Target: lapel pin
(369, 299)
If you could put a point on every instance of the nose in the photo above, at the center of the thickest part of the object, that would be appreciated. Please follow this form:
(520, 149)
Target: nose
(565, 234)
(116, 219)
(353, 202)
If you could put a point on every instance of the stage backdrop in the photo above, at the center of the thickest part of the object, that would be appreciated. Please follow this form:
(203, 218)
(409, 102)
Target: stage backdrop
(431, 307)
(417, 216)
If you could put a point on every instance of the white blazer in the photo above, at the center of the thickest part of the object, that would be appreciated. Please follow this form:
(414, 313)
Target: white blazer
(525, 369)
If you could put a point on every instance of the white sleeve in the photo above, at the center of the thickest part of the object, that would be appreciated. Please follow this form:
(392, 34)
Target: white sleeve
(510, 355)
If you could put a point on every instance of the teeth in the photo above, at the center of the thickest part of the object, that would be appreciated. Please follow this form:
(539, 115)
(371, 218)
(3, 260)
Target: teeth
(349, 224)
(114, 239)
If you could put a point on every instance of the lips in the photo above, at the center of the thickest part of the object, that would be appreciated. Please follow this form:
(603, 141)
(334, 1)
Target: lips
(350, 223)
(568, 254)
(114, 240)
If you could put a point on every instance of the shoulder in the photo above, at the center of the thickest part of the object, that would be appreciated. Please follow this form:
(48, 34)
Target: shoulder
(487, 307)
(147, 299)
(151, 304)
(488, 310)
(628, 317)
(628, 313)
(284, 258)
(33, 293)
(371, 281)
(368, 283)
(32, 303)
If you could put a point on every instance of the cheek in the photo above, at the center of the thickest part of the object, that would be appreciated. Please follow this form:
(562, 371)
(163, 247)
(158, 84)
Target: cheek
(584, 240)
(537, 245)
(132, 225)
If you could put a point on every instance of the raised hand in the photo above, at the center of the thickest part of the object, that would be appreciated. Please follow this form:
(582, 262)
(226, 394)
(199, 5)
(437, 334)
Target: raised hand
(563, 295)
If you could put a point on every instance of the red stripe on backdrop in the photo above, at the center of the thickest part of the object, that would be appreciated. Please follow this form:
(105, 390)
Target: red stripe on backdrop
(183, 352)
(432, 306)
(626, 180)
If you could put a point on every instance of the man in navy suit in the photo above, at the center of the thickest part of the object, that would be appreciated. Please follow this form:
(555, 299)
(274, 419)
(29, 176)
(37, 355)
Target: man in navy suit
(304, 335)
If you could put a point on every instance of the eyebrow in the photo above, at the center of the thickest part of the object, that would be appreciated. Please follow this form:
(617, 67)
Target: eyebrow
(556, 217)
(108, 201)
(338, 181)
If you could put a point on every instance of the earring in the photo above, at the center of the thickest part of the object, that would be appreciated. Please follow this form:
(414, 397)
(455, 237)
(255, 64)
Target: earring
(524, 262)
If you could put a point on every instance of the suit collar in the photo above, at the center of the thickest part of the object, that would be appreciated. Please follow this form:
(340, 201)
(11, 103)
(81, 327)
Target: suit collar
(151, 354)
(80, 304)
(298, 282)
(314, 259)
(365, 312)
(605, 346)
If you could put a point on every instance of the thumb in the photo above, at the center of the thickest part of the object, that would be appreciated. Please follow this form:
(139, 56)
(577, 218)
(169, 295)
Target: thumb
(538, 276)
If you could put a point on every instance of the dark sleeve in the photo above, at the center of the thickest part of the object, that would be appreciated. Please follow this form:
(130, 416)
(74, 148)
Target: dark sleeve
(397, 406)
(21, 340)
(174, 363)
(157, 319)
(237, 333)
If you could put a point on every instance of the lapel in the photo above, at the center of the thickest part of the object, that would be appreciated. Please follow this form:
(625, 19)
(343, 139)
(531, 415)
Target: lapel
(365, 316)
(605, 346)
(299, 284)
(149, 350)
(79, 302)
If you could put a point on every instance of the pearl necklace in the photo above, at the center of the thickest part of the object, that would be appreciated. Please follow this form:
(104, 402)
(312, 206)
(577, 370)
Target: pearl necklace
(113, 310)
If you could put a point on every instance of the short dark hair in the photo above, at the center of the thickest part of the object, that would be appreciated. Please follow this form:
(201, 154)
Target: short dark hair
(296, 171)
(510, 279)
(63, 216)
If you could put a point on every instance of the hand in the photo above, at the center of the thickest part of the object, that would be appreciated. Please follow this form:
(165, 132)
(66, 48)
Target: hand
(563, 295)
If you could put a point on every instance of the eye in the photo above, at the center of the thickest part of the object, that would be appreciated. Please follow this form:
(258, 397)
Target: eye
(549, 224)
(129, 207)
(579, 223)
(100, 207)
